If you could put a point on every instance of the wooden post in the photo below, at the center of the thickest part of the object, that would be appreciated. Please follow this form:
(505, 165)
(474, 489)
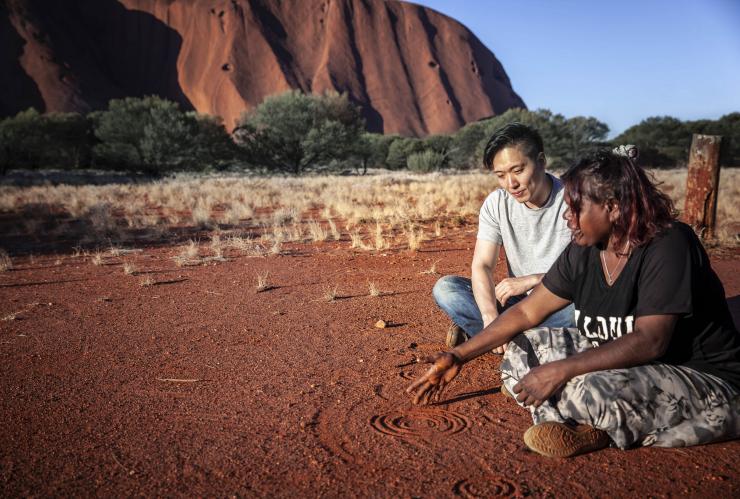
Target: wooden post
(702, 182)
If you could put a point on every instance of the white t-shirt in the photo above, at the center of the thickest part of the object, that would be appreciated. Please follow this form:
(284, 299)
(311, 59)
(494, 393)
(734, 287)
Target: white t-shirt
(532, 238)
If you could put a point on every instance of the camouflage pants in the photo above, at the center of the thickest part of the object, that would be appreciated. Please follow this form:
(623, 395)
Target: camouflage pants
(654, 404)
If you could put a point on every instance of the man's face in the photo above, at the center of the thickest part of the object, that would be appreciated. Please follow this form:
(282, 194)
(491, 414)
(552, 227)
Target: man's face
(521, 176)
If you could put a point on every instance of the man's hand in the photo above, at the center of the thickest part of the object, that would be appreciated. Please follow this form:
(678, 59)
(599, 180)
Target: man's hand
(487, 319)
(429, 387)
(540, 383)
(513, 286)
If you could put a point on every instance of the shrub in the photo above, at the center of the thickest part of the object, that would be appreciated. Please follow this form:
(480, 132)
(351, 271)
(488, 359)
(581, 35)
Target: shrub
(54, 140)
(425, 161)
(150, 134)
(293, 131)
(400, 149)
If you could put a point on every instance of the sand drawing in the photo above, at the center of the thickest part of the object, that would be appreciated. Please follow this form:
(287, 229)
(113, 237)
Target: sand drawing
(490, 486)
(419, 423)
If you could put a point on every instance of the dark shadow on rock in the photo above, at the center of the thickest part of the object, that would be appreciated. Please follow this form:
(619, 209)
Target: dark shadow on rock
(19, 90)
(106, 51)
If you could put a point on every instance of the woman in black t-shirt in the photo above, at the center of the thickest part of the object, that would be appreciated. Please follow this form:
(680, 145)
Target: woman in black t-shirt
(655, 358)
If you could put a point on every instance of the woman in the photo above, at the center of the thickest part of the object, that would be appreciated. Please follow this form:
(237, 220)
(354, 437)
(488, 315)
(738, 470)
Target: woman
(655, 357)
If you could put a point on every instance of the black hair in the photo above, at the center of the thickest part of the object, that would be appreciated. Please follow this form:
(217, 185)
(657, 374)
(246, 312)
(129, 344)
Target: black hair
(605, 176)
(514, 134)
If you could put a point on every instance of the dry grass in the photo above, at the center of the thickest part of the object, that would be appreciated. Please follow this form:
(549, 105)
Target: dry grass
(129, 268)
(379, 211)
(316, 231)
(263, 281)
(415, 238)
(335, 234)
(380, 241)
(147, 281)
(373, 290)
(431, 270)
(6, 263)
(97, 258)
(331, 294)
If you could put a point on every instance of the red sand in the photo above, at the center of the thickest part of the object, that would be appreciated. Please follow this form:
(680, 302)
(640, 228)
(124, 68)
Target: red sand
(279, 393)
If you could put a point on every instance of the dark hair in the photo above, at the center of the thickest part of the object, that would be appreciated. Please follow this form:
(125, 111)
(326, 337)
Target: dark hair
(604, 176)
(513, 134)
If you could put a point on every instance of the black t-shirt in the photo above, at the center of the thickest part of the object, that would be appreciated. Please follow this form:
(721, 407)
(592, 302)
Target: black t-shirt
(669, 275)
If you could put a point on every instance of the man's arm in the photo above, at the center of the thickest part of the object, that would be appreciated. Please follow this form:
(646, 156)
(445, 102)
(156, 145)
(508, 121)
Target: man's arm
(485, 257)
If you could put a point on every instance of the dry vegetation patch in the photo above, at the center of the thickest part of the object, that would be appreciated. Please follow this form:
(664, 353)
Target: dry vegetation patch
(260, 216)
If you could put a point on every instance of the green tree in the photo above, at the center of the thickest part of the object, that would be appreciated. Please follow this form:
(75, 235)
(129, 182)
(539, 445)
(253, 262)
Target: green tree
(213, 144)
(662, 140)
(581, 135)
(54, 140)
(154, 135)
(294, 131)
(400, 149)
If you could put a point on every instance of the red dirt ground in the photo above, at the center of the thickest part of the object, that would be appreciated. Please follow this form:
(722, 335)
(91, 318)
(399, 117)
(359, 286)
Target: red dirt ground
(280, 393)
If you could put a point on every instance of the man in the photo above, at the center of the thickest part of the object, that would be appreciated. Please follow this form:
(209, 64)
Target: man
(526, 217)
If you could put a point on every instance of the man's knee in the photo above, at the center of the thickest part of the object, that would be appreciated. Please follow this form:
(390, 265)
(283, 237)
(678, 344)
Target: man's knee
(445, 288)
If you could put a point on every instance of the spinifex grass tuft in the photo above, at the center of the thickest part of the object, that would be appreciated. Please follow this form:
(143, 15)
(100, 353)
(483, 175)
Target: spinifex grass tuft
(263, 282)
(373, 289)
(330, 294)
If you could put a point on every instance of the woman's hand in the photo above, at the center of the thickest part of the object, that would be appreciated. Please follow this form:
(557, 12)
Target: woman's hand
(429, 387)
(540, 383)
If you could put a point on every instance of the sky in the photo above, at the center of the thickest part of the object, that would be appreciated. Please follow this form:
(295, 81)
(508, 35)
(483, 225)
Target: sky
(618, 61)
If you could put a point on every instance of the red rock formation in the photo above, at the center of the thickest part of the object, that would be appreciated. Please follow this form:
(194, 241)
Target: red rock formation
(413, 71)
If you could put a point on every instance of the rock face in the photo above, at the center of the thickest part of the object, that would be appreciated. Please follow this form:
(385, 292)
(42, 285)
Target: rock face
(412, 70)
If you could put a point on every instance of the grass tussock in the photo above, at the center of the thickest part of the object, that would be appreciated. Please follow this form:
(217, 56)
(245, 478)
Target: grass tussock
(331, 293)
(263, 282)
(6, 263)
(373, 289)
(431, 270)
(147, 281)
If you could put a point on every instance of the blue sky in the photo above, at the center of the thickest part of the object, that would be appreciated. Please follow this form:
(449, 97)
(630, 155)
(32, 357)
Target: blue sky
(619, 61)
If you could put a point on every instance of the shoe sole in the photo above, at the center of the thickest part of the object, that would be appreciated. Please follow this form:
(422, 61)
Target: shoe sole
(553, 439)
(455, 336)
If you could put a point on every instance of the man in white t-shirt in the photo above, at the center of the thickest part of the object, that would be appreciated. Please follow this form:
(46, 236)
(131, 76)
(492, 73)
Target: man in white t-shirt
(525, 216)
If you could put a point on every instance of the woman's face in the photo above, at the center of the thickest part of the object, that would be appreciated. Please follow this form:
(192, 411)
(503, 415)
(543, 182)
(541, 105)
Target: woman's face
(593, 224)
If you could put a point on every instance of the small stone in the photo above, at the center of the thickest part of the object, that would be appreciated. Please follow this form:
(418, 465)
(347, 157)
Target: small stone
(381, 324)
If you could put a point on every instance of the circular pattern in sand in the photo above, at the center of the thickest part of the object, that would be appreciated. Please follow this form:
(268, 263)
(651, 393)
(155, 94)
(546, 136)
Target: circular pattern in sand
(420, 423)
(493, 486)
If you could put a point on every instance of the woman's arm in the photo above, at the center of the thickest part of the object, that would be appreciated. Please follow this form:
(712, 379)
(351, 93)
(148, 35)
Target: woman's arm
(648, 342)
(523, 315)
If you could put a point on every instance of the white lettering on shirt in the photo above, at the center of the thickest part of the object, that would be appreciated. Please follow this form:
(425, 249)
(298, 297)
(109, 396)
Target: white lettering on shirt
(602, 329)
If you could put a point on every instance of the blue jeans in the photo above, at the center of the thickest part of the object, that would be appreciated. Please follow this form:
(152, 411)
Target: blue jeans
(454, 295)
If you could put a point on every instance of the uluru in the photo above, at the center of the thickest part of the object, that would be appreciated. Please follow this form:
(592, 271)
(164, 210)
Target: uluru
(412, 70)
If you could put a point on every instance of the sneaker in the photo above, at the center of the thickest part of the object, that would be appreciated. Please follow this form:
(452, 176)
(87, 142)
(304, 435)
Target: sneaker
(455, 336)
(553, 439)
